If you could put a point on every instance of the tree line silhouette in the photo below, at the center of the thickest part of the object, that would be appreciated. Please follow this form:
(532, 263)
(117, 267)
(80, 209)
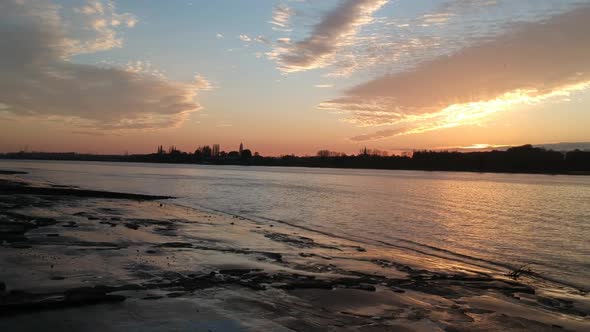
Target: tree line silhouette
(521, 159)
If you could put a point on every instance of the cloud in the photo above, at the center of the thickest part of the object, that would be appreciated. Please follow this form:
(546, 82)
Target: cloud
(201, 83)
(261, 39)
(324, 86)
(403, 40)
(40, 81)
(245, 38)
(437, 18)
(377, 135)
(281, 16)
(531, 63)
(219, 36)
(258, 39)
(144, 67)
(457, 6)
(95, 27)
(336, 30)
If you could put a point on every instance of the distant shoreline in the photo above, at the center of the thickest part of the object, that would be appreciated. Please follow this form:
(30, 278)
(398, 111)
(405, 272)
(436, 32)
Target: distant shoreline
(330, 166)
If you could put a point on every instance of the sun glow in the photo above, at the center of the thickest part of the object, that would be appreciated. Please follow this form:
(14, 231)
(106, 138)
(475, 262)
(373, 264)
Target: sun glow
(474, 113)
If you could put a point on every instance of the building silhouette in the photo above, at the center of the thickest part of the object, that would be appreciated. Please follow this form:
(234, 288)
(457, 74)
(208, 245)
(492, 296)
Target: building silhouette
(215, 151)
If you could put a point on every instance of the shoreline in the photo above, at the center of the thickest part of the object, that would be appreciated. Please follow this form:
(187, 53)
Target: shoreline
(570, 173)
(88, 252)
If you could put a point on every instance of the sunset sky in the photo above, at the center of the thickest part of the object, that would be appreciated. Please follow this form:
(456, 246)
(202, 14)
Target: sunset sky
(292, 76)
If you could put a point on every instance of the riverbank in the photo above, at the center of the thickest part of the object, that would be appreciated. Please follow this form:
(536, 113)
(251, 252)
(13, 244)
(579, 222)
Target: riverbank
(140, 262)
(524, 159)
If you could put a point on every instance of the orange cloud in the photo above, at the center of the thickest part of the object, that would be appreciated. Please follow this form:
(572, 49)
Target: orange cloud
(281, 16)
(531, 63)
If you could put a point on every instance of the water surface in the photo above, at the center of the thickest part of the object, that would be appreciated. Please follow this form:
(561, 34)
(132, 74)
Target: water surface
(493, 219)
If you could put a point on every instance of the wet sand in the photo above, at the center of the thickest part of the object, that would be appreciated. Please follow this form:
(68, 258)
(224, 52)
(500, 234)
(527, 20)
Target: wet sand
(85, 260)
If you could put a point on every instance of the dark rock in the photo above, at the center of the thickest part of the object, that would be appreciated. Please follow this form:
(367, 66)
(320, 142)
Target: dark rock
(306, 284)
(365, 287)
(21, 246)
(273, 255)
(44, 221)
(18, 292)
(251, 284)
(7, 172)
(90, 295)
(131, 226)
(126, 287)
(478, 311)
(21, 188)
(297, 241)
(238, 272)
(176, 245)
(20, 301)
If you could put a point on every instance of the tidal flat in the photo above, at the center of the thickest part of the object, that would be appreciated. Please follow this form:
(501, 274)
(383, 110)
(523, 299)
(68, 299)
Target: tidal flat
(88, 260)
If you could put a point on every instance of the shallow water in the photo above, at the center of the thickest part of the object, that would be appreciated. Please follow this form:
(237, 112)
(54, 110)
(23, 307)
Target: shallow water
(496, 220)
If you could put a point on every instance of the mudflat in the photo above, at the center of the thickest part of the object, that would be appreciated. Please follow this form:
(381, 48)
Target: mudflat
(75, 259)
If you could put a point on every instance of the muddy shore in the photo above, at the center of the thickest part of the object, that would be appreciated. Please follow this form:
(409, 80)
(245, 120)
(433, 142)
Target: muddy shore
(84, 260)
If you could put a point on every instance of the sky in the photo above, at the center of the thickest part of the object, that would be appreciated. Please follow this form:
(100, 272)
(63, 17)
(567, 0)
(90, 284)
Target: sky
(292, 76)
